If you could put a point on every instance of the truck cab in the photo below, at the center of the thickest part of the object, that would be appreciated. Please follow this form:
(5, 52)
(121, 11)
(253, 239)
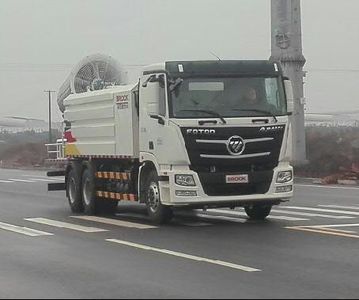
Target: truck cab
(217, 134)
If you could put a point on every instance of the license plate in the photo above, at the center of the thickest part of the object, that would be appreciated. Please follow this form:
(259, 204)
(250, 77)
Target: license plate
(237, 178)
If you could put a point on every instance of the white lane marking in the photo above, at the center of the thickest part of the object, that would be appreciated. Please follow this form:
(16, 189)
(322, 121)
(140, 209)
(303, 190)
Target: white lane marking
(195, 224)
(186, 256)
(44, 180)
(65, 225)
(328, 187)
(323, 231)
(238, 213)
(21, 180)
(138, 216)
(6, 181)
(286, 218)
(45, 177)
(189, 224)
(333, 226)
(340, 206)
(114, 222)
(337, 230)
(23, 230)
(343, 212)
(295, 213)
(222, 218)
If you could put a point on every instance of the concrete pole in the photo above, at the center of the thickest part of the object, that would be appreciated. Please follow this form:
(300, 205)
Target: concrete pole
(50, 116)
(287, 48)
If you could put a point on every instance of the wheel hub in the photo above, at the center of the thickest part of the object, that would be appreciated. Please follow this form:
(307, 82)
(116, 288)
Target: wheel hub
(153, 196)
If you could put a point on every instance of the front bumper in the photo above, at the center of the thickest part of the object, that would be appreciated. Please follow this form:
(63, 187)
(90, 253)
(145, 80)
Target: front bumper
(196, 197)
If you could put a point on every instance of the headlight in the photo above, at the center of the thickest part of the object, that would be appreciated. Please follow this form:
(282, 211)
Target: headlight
(284, 176)
(185, 180)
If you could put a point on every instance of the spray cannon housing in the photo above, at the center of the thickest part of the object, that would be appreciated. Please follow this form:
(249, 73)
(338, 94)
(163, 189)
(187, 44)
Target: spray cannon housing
(94, 72)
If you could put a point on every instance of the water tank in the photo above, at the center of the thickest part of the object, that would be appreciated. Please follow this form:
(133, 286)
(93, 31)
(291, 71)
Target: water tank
(94, 72)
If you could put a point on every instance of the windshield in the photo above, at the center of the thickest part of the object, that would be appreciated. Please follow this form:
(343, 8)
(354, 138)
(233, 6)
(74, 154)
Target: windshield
(228, 97)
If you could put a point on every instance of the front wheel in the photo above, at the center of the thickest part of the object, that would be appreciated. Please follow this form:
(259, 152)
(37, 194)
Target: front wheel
(157, 212)
(258, 212)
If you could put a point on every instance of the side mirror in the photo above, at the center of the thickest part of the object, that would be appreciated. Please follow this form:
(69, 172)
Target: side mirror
(155, 78)
(159, 119)
(290, 96)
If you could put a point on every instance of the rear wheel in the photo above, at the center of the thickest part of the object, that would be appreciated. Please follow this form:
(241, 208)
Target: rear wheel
(89, 197)
(157, 212)
(108, 207)
(258, 212)
(93, 205)
(73, 190)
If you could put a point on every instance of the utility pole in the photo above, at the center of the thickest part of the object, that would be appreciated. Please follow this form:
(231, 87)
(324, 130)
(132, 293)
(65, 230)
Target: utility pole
(50, 116)
(287, 48)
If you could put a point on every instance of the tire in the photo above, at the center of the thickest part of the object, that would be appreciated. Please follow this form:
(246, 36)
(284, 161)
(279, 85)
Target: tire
(107, 207)
(73, 190)
(258, 212)
(88, 190)
(158, 213)
(92, 205)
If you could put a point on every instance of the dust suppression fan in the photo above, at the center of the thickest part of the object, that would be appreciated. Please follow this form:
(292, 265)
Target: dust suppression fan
(94, 72)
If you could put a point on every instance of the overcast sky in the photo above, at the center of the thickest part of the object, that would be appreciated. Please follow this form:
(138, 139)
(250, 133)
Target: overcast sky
(40, 41)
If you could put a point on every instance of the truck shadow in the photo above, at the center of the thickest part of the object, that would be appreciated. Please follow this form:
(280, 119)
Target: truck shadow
(186, 218)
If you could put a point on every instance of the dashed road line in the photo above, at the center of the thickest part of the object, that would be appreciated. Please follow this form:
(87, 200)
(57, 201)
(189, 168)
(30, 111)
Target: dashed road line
(114, 222)
(335, 226)
(23, 230)
(337, 230)
(65, 225)
(45, 180)
(21, 180)
(195, 224)
(221, 218)
(323, 231)
(30, 179)
(44, 177)
(243, 214)
(185, 256)
(343, 212)
(295, 213)
(340, 207)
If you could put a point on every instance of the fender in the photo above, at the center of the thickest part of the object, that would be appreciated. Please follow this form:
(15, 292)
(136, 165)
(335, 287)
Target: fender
(145, 158)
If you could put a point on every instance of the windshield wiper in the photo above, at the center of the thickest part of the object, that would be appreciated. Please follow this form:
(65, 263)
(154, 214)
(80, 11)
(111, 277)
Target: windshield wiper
(175, 84)
(210, 112)
(260, 111)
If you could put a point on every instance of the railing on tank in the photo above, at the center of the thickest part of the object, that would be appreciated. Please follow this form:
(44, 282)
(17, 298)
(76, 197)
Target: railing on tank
(57, 150)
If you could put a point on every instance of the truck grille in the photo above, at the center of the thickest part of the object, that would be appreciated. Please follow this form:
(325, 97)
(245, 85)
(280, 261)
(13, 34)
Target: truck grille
(212, 158)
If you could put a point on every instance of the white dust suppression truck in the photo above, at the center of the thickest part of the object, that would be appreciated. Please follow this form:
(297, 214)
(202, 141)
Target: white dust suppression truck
(188, 134)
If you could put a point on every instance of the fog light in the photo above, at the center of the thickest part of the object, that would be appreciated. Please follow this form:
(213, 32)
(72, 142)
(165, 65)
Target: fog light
(186, 193)
(185, 180)
(284, 189)
(284, 176)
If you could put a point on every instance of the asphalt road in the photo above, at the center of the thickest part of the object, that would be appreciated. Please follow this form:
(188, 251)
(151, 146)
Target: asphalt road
(307, 249)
